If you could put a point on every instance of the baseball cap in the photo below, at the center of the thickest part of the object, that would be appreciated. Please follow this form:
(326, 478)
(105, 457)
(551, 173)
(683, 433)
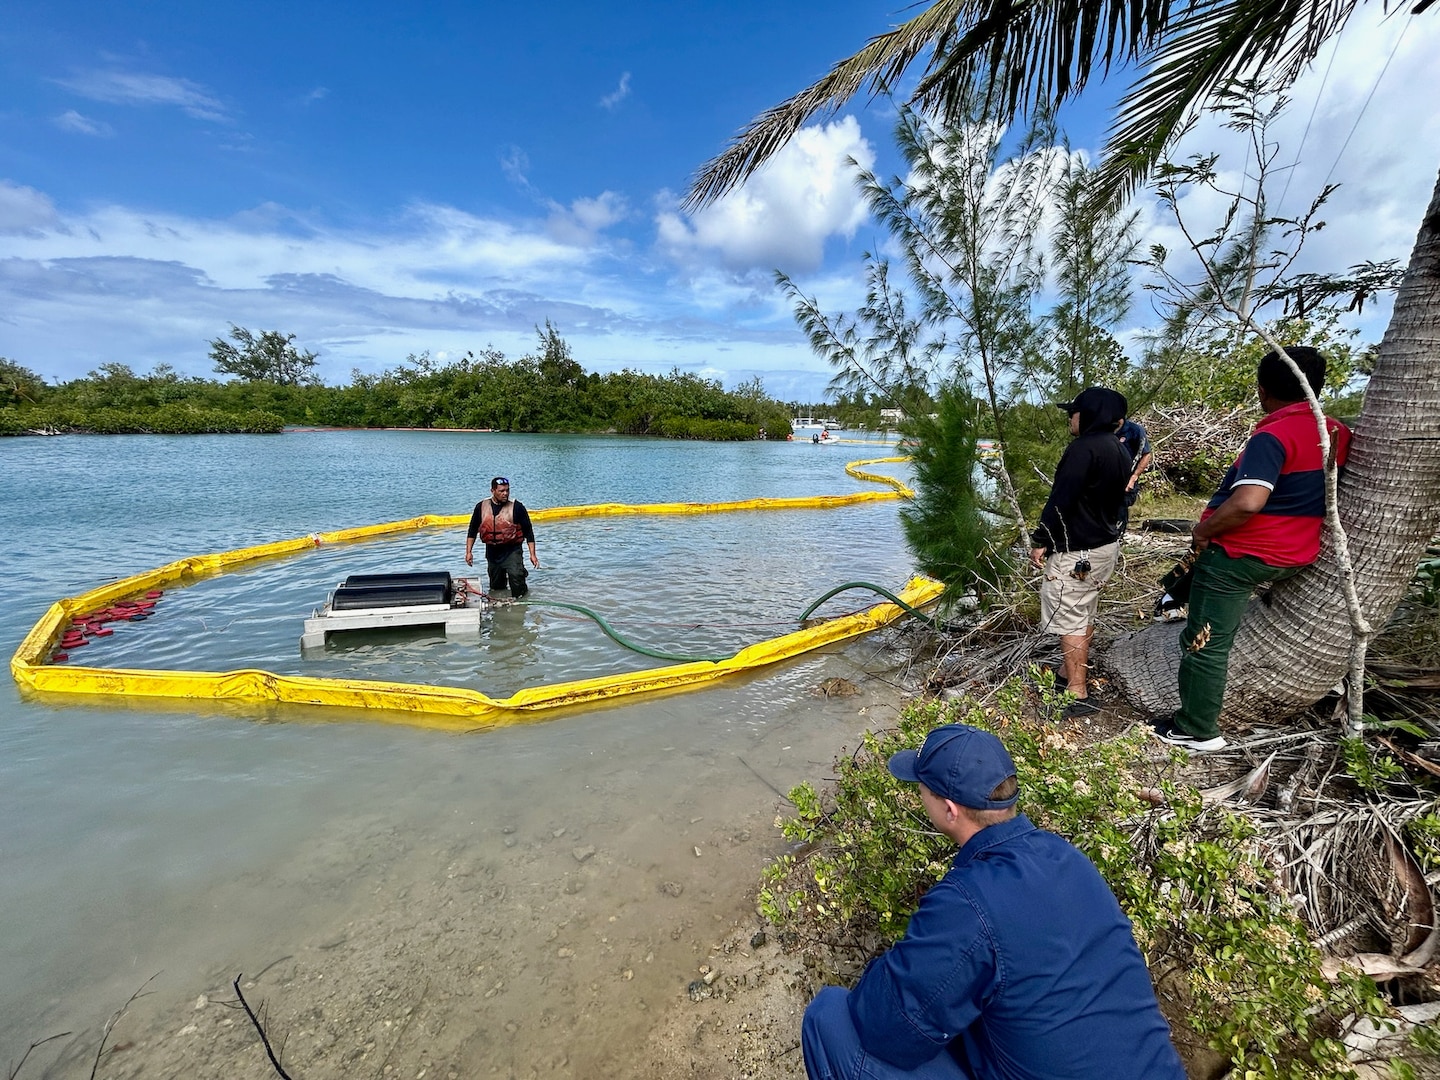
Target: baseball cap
(1096, 398)
(961, 763)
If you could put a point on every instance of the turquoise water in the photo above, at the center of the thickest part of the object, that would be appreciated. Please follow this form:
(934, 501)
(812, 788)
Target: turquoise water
(196, 842)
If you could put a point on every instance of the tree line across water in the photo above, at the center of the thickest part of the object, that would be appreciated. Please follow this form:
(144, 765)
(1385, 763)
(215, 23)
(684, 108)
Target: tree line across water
(272, 384)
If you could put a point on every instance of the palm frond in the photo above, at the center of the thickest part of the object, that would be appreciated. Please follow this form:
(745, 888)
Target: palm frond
(880, 63)
(1033, 54)
(1206, 47)
(1030, 54)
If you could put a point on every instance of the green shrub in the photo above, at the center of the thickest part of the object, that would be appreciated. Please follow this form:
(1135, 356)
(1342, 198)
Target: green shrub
(1426, 585)
(172, 419)
(1200, 473)
(945, 524)
(689, 427)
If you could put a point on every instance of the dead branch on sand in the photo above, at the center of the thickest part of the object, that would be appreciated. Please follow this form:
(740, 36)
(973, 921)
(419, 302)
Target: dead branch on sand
(260, 1030)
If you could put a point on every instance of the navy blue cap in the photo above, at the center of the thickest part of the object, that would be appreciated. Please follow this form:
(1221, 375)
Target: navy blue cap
(961, 763)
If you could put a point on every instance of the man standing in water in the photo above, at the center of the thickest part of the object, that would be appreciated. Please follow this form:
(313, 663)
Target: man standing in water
(503, 526)
(1018, 963)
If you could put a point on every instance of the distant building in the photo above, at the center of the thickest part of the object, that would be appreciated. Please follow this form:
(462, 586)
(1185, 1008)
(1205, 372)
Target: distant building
(892, 416)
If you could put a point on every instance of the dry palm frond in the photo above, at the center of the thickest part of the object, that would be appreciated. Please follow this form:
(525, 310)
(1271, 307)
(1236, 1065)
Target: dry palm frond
(1355, 882)
(1251, 787)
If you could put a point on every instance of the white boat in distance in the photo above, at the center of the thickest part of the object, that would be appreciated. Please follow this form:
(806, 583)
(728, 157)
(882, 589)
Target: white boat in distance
(815, 424)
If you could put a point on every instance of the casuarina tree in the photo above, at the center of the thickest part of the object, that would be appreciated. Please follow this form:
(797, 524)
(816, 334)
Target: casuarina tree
(269, 357)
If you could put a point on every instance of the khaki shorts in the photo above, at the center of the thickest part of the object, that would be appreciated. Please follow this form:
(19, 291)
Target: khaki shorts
(1068, 606)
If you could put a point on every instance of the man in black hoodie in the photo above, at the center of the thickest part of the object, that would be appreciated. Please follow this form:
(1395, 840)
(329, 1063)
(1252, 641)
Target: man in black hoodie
(1078, 538)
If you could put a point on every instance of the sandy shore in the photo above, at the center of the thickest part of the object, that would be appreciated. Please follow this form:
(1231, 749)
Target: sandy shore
(745, 1025)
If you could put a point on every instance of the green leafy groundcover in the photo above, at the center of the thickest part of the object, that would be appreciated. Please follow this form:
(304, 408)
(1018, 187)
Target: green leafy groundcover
(1231, 961)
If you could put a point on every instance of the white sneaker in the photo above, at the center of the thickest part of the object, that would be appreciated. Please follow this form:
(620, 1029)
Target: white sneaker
(1167, 732)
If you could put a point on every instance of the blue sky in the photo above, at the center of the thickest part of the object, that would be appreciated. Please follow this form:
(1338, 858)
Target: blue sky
(382, 180)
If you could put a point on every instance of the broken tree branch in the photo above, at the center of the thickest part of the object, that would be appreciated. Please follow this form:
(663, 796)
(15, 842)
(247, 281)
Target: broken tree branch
(260, 1030)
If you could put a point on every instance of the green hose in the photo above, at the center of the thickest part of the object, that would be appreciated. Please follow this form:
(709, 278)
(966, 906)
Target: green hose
(610, 630)
(658, 655)
(873, 588)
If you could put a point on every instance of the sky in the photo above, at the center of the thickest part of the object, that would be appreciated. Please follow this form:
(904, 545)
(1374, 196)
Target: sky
(383, 180)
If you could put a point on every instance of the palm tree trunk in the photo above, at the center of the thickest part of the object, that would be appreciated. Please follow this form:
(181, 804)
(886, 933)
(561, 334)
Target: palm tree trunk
(1290, 652)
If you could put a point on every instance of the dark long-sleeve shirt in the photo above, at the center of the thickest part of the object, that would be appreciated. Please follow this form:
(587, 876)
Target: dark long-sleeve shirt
(1088, 496)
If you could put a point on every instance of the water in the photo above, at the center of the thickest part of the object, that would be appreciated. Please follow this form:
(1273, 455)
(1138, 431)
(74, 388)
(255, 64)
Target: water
(494, 903)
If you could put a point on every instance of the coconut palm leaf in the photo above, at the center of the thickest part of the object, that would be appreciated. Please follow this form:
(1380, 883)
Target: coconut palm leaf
(1205, 47)
(881, 62)
(1029, 53)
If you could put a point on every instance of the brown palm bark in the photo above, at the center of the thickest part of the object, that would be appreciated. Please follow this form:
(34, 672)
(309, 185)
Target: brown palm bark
(1290, 652)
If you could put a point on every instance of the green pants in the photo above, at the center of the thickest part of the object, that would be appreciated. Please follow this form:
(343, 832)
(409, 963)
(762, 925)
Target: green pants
(1222, 588)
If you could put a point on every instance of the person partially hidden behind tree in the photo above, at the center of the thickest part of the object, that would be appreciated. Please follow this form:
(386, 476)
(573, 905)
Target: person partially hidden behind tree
(1262, 526)
(1018, 964)
(1077, 541)
(502, 526)
(1136, 441)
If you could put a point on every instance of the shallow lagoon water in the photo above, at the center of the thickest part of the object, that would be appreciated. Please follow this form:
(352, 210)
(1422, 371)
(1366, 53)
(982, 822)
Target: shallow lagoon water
(415, 869)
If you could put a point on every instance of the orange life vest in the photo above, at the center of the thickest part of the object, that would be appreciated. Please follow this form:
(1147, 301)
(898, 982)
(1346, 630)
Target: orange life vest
(499, 528)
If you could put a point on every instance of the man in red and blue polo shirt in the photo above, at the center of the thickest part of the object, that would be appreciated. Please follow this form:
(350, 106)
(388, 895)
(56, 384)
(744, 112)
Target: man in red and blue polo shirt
(1262, 526)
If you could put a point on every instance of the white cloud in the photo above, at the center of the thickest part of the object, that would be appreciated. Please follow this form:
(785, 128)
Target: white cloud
(25, 210)
(79, 290)
(135, 88)
(619, 94)
(1382, 154)
(581, 223)
(72, 121)
(514, 164)
(782, 215)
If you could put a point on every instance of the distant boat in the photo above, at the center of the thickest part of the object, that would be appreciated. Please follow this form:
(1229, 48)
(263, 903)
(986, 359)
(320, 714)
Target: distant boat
(816, 424)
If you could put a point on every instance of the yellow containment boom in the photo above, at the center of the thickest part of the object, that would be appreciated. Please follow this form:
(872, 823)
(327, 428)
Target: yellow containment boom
(449, 708)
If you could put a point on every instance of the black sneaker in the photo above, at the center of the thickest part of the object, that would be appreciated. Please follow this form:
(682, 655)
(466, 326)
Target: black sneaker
(1081, 707)
(1168, 609)
(1167, 732)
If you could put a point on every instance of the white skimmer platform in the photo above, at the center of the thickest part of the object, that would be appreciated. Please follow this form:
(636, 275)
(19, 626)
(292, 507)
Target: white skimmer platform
(380, 601)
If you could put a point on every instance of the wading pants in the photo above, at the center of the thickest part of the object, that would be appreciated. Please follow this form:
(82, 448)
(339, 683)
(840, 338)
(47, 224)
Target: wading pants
(513, 567)
(833, 1052)
(1222, 588)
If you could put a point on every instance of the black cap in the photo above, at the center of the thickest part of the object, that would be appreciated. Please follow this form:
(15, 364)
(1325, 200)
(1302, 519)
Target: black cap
(1096, 399)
